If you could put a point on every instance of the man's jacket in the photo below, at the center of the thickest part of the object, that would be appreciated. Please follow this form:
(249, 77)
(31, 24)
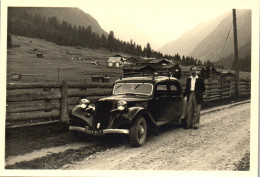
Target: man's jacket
(199, 89)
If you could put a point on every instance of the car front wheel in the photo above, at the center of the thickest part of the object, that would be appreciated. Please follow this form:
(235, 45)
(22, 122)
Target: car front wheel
(138, 132)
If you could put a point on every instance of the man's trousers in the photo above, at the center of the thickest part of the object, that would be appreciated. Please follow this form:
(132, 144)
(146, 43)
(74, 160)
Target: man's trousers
(193, 111)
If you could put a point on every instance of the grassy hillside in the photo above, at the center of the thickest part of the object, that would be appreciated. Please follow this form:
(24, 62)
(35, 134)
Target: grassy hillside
(23, 59)
(57, 25)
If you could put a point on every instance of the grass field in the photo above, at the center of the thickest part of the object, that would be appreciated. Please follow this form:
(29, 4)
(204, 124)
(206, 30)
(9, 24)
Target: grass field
(23, 59)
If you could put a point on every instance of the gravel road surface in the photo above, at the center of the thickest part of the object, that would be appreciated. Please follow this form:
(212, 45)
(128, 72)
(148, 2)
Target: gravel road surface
(219, 144)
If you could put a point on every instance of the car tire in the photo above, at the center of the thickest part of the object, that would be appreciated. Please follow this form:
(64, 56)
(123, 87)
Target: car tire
(138, 132)
(184, 123)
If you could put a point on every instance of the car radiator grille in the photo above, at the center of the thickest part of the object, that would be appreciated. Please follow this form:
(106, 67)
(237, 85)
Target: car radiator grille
(102, 114)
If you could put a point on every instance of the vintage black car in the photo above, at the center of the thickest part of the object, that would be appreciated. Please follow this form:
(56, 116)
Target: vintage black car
(138, 105)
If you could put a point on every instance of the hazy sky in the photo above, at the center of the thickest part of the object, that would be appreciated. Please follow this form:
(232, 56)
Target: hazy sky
(154, 21)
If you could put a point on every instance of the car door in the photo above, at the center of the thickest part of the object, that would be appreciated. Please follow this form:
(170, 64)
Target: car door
(158, 107)
(175, 106)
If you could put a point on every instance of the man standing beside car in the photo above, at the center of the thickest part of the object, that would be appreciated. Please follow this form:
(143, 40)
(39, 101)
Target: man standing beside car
(194, 91)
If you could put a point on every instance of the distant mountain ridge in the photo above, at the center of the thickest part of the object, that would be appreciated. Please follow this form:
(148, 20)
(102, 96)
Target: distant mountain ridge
(72, 15)
(208, 41)
(185, 44)
(211, 48)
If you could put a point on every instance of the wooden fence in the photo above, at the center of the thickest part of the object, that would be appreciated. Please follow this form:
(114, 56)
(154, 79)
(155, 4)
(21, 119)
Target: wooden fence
(43, 103)
(220, 89)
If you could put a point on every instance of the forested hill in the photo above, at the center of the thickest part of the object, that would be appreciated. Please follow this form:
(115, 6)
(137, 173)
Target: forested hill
(73, 27)
(73, 16)
(69, 27)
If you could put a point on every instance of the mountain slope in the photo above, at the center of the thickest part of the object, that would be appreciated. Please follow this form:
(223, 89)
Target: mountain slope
(74, 16)
(207, 41)
(213, 47)
(185, 44)
(244, 57)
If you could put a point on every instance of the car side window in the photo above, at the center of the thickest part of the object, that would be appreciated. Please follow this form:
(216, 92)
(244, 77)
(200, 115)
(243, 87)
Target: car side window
(161, 90)
(162, 87)
(174, 89)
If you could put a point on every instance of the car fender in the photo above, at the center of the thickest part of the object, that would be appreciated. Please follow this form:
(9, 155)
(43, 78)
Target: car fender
(185, 108)
(81, 114)
(134, 111)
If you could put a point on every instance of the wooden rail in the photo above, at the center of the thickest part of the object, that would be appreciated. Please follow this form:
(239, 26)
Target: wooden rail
(41, 103)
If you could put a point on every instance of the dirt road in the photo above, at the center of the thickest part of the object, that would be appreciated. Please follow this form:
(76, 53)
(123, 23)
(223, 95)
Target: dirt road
(221, 143)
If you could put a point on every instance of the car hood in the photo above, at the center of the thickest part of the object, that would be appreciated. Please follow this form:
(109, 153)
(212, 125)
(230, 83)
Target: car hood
(129, 98)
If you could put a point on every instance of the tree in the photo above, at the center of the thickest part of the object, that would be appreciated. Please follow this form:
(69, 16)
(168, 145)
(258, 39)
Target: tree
(177, 57)
(208, 72)
(94, 39)
(203, 73)
(111, 41)
(139, 49)
(148, 50)
(103, 41)
(53, 22)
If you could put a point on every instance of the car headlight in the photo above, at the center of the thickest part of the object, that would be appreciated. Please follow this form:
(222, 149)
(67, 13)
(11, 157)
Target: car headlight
(84, 103)
(121, 105)
(83, 106)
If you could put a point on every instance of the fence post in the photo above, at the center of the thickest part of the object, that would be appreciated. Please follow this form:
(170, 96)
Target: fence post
(64, 102)
(249, 86)
(229, 88)
(221, 83)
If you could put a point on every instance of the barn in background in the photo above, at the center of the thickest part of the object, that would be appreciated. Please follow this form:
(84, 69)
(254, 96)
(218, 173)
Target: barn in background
(115, 61)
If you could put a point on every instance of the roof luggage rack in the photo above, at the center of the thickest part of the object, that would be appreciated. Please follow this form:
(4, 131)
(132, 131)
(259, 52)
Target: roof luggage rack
(154, 71)
(138, 74)
(155, 74)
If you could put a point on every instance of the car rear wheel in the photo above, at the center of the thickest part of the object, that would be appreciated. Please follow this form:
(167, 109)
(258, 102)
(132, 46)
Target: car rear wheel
(184, 123)
(138, 132)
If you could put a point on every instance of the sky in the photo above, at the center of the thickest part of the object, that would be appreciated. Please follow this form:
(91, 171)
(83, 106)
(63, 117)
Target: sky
(155, 21)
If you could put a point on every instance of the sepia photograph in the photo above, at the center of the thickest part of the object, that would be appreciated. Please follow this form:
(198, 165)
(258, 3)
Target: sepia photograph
(123, 88)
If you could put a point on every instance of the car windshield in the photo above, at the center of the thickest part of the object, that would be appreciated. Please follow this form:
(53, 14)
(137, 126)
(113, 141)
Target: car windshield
(133, 88)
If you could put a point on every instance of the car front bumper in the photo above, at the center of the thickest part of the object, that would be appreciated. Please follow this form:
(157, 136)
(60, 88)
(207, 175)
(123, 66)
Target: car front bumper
(98, 132)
